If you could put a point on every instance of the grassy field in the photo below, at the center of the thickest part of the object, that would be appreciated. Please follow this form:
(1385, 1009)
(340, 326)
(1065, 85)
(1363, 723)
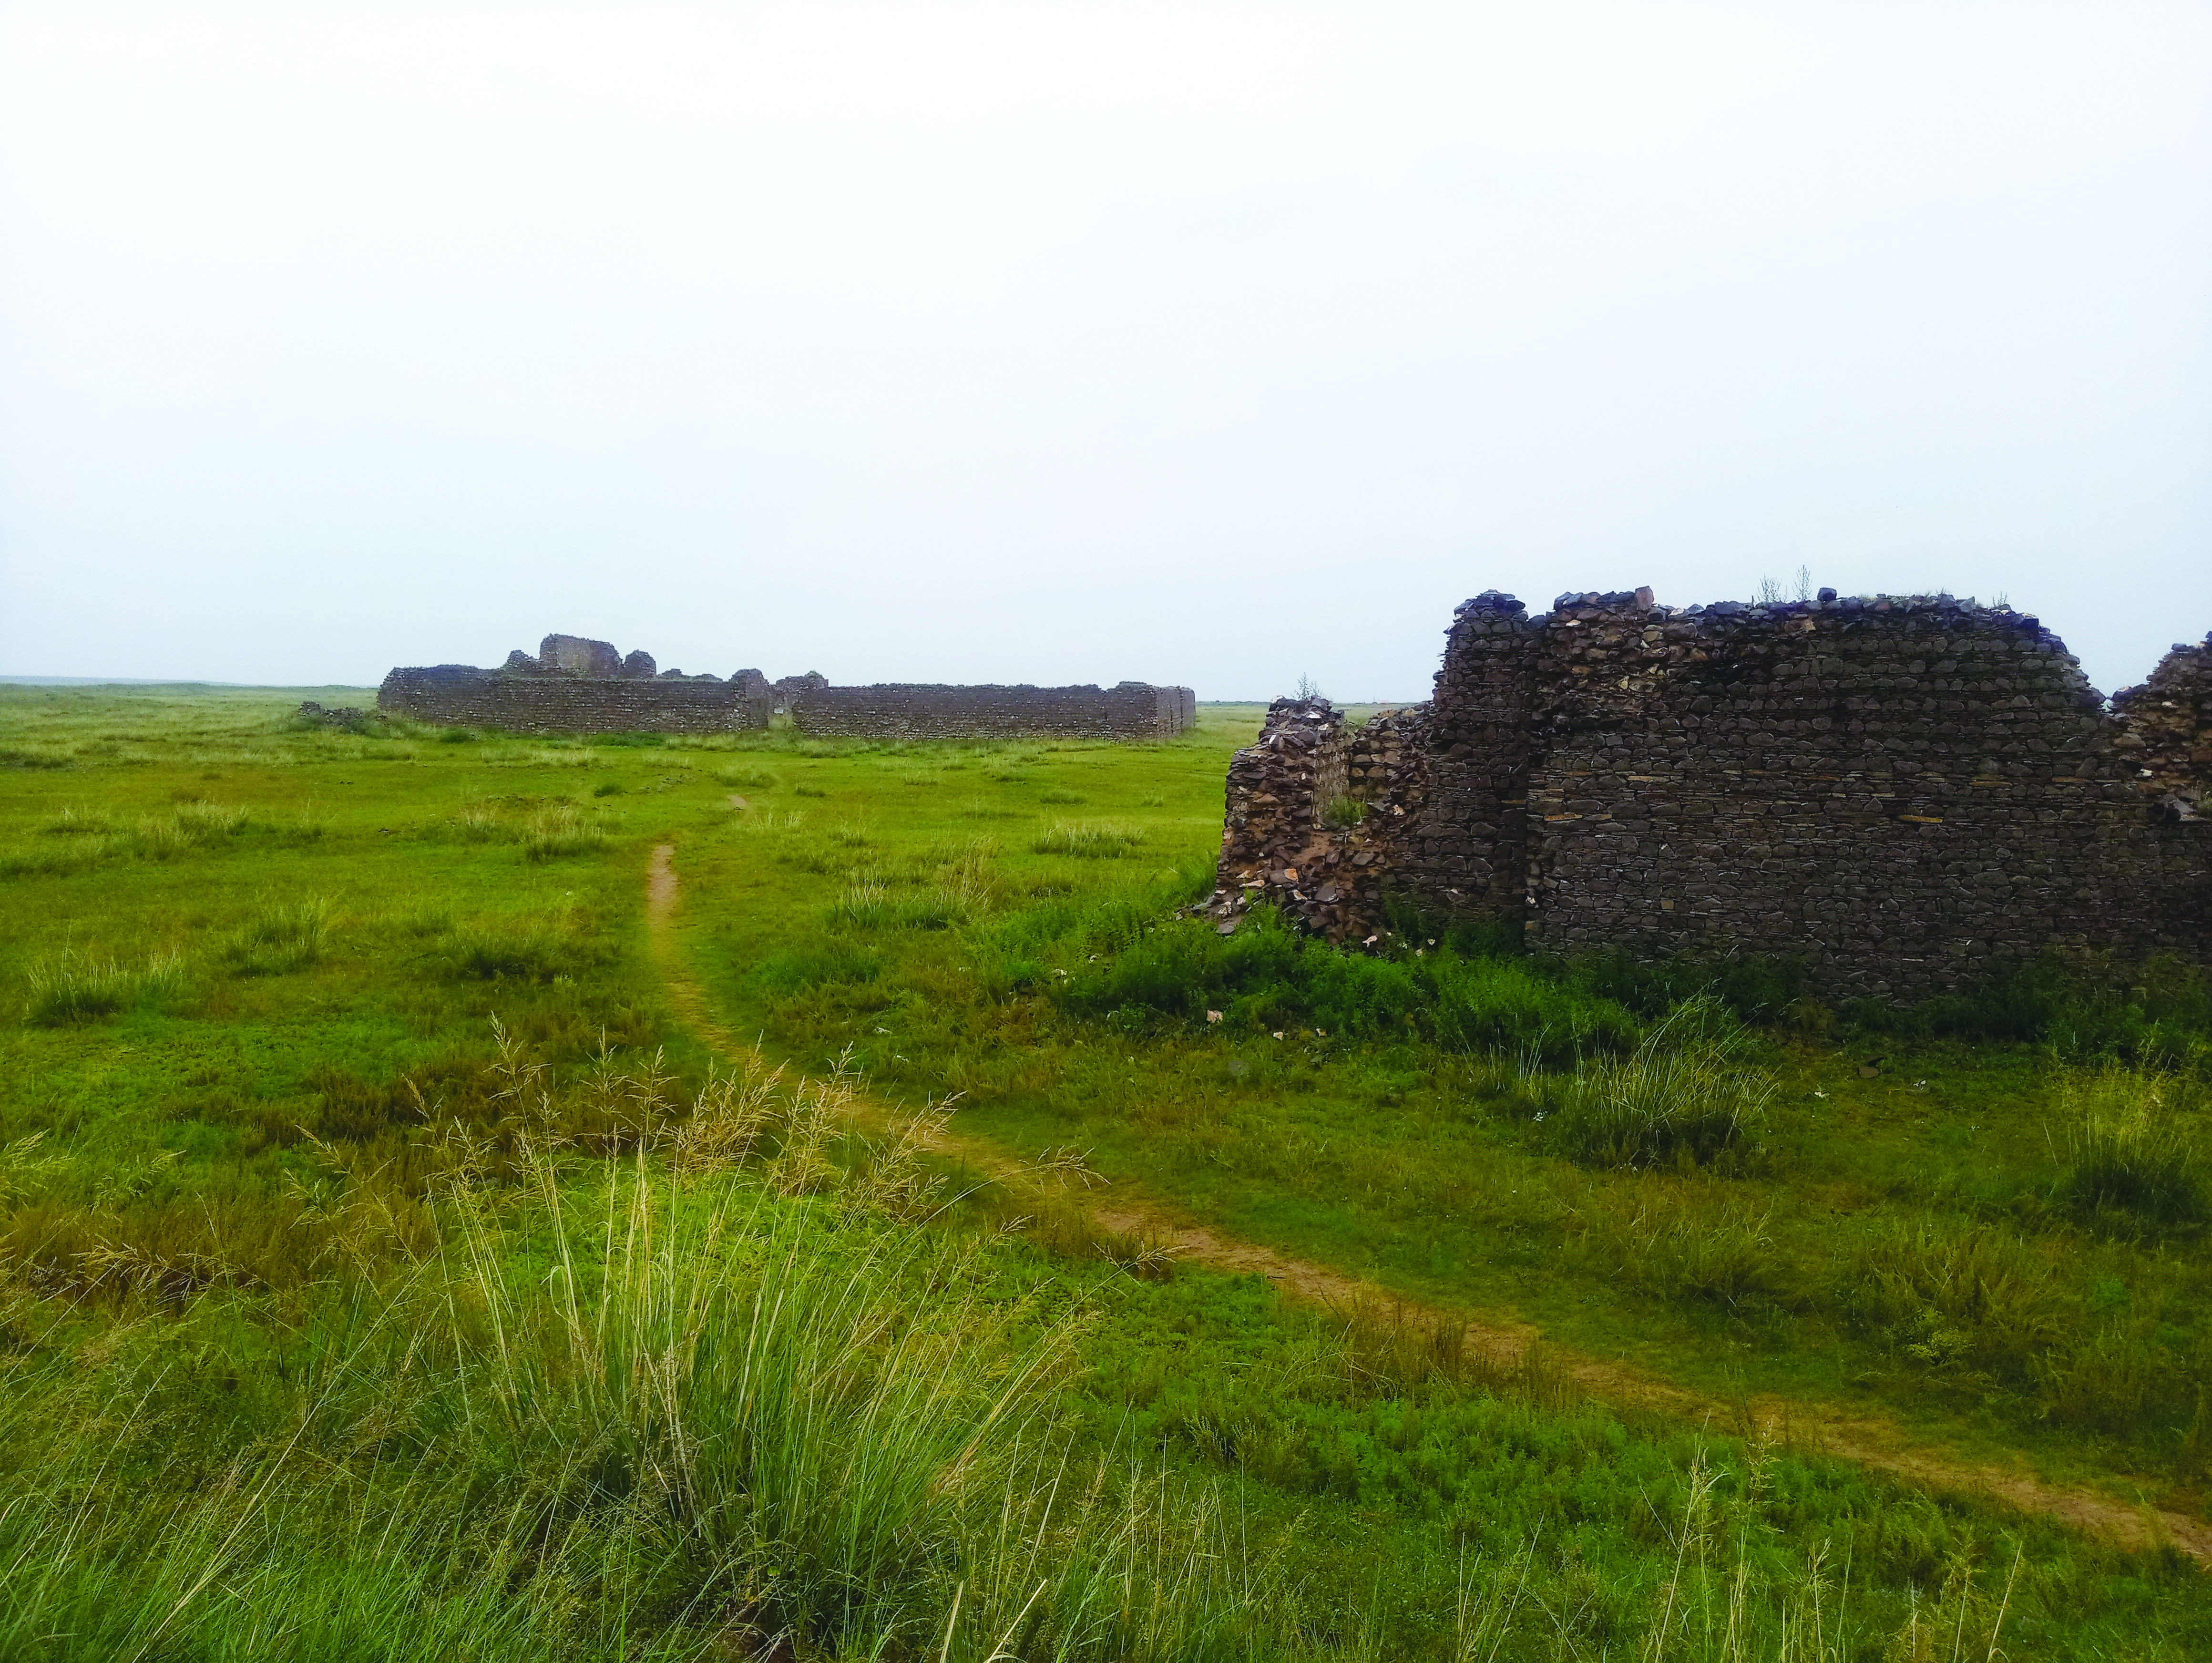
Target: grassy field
(388, 1272)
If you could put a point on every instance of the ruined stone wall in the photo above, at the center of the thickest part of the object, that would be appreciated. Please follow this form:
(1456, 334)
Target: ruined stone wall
(1130, 711)
(574, 685)
(1470, 851)
(1278, 787)
(463, 696)
(2172, 714)
(1899, 792)
(1280, 843)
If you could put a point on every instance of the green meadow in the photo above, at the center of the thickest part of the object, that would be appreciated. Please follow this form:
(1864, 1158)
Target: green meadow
(388, 1269)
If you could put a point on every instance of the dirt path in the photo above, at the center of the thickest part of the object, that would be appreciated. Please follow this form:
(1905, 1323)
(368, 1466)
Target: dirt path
(1821, 1428)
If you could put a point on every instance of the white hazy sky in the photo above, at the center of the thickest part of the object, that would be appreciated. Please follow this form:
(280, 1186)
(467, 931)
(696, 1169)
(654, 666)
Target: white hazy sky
(1195, 343)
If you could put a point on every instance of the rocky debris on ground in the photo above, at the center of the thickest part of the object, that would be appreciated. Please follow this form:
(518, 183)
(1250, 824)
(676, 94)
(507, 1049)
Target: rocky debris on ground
(341, 715)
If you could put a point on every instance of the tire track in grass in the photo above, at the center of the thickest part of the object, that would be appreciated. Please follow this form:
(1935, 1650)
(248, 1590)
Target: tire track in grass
(1867, 1440)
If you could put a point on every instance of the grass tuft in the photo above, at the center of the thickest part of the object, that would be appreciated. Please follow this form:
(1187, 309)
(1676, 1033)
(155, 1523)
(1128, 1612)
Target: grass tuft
(278, 939)
(73, 989)
(1682, 1097)
(2136, 1159)
(561, 830)
(521, 950)
(1089, 840)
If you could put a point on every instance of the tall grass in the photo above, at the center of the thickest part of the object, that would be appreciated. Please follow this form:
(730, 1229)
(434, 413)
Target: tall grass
(546, 947)
(559, 831)
(280, 939)
(1683, 1097)
(79, 837)
(186, 827)
(78, 988)
(1088, 840)
(696, 1415)
(2135, 1151)
(733, 1393)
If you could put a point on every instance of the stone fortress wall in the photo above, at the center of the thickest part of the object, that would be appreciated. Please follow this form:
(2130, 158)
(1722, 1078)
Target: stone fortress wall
(1134, 710)
(1900, 791)
(577, 686)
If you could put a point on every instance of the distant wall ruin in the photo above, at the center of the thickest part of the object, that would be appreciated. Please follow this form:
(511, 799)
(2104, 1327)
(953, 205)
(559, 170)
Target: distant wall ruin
(576, 685)
(1134, 710)
(461, 696)
(1899, 791)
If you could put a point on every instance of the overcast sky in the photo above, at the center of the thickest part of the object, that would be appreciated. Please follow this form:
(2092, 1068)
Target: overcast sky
(1192, 342)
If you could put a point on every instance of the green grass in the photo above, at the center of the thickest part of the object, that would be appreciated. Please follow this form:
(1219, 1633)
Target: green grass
(1497, 1132)
(70, 988)
(2137, 1160)
(1686, 1096)
(335, 1321)
(1085, 840)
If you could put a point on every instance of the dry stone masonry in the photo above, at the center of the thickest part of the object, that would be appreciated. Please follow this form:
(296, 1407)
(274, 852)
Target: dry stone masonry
(1133, 709)
(576, 685)
(1900, 791)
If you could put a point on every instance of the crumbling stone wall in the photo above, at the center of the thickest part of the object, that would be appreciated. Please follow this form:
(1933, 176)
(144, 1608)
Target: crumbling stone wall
(1899, 791)
(573, 685)
(1279, 844)
(2172, 714)
(1279, 789)
(1134, 710)
(463, 696)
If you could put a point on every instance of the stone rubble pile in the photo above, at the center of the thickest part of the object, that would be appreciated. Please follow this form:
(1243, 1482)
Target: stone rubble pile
(1282, 846)
(339, 715)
